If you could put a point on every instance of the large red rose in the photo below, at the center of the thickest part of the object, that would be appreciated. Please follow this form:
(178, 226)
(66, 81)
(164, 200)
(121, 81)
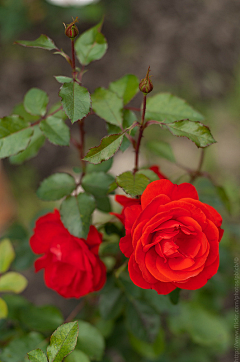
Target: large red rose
(171, 238)
(72, 265)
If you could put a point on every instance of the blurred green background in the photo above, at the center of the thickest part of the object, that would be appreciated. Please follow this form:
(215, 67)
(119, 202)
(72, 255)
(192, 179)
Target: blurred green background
(193, 49)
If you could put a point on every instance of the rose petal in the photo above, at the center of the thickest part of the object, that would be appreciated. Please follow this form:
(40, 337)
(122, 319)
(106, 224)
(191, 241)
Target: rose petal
(136, 275)
(131, 214)
(156, 170)
(212, 235)
(140, 258)
(157, 188)
(164, 288)
(94, 239)
(175, 276)
(41, 263)
(201, 279)
(125, 245)
(180, 263)
(99, 275)
(184, 190)
(150, 261)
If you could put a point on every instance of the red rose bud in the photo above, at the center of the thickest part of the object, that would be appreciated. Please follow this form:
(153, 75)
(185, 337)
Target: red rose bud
(146, 85)
(71, 30)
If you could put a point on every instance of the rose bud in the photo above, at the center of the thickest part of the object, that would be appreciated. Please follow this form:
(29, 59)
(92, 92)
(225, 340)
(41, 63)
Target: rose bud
(71, 30)
(146, 85)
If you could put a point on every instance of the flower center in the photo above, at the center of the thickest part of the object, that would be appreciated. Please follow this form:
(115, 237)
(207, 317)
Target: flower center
(170, 240)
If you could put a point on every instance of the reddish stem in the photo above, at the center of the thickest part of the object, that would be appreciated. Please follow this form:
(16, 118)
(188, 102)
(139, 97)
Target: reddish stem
(44, 117)
(198, 172)
(81, 146)
(73, 60)
(140, 134)
(75, 312)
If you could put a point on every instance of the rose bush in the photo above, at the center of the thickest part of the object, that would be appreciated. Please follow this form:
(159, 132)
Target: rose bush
(72, 265)
(171, 237)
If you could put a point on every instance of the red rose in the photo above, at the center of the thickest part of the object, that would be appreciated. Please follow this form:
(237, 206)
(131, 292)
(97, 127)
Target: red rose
(171, 238)
(72, 265)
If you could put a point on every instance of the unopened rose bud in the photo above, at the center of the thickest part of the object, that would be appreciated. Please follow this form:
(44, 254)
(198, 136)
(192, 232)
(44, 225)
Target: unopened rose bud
(71, 30)
(146, 85)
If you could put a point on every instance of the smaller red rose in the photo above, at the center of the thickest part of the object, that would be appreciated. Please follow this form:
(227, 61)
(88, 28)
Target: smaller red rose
(72, 265)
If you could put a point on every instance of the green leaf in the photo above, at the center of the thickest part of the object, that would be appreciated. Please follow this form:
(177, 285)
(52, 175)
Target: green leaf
(125, 144)
(35, 102)
(107, 148)
(21, 111)
(37, 355)
(56, 131)
(112, 187)
(3, 309)
(97, 183)
(203, 327)
(12, 282)
(142, 320)
(126, 87)
(90, 341)
(129, 117)
(6, 255)
(14, 135)
(17, 349)
(24, 256)
(149, 174)
(32, 149)
(133, 185)
(77, 356)
(164, 107)
(148, 350)
(76, 214)
(15, 303)
(60, 112)
(195, 131)
(76, 101)
(43, 319)
(103, 204)
(101, 167)
(91, 45)
(107, 105)
(174, 296)
(56, 186)
(161, 149)
(43, 42)
(111, 303)
(221, 192)
(62, 342)
(63, 79)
